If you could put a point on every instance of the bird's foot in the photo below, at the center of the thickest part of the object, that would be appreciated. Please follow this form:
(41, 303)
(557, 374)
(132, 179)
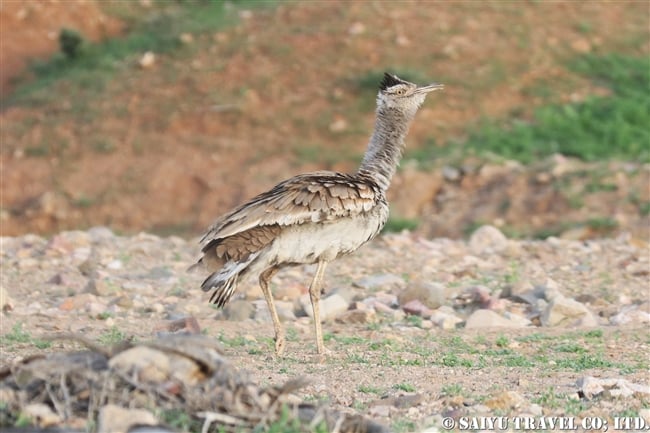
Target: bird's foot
(323, 353)
(279, 345)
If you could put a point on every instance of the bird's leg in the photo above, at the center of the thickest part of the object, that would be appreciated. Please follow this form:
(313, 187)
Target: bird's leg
(314, 294)
(265, 278)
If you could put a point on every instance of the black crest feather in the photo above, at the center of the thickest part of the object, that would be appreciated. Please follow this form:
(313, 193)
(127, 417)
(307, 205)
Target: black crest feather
(389, 80)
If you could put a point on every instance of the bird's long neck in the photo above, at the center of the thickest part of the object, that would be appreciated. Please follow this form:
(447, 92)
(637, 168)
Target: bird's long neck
(386, 145)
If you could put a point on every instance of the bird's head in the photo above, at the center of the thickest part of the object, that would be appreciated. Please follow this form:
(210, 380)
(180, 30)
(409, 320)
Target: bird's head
(397, 94)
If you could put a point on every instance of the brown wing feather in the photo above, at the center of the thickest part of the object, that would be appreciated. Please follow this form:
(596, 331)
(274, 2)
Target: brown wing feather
(238, 246)
(313, 197)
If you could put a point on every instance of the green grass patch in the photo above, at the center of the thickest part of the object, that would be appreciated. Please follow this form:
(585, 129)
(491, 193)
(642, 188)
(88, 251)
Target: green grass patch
(396, 225)
(88, 66)
(112, 336)
(600, 127)
(18, 335)
(406, 387)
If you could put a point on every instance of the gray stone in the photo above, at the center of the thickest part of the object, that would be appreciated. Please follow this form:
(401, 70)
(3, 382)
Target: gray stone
(330, 307)
(101, 287)
(386, 282)
(487, 239)
(632, 314)
(566, 312)
(357, 316)
(100, 234)
(489, 319)
(238, 310)
(41, 414)
(416, 308)
(149, 365)
(348, 293)
(591, 387)
(115, 419)
(444, 319)
(433, 295)
(450, 173)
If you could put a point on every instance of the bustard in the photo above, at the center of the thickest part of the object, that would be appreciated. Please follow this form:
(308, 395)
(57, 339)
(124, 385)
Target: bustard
(314, 217)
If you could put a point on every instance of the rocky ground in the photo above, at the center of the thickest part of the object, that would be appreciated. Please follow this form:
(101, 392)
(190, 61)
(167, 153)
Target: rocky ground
(417, 329)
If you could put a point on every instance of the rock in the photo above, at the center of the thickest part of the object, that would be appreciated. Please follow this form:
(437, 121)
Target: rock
(387, 299)
(489, 319)
(432, 295)
(186, 38)
(505, 401)
(124, 301)
(41, 414)
(637, 314)
(101, 287)
(417, 308)
(566, 312)
(487, 239)
(451, 174)
(114, 419)
(590, 387)
(238, 310)
(100, 234)
(348, 293)
(357, 28)
(357, 316)
(80, 302)
(149, 365)
(385, 282)
(147, 60)
(330, 307)
(550, 290)
(444, 319)
(531, 296)
(184, 325)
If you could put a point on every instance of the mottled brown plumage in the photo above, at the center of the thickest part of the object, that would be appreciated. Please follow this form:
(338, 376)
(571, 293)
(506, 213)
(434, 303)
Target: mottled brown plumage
(314, 217)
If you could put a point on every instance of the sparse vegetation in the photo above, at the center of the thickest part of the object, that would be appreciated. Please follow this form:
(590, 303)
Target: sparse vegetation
(18, 335)
(600, 127)
(396, 224)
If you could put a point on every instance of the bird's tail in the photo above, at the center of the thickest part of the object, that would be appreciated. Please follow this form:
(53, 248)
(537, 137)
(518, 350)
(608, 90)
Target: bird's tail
(224, 281)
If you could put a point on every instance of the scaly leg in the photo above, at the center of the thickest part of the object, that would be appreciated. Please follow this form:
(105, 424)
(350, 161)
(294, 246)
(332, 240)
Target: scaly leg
(265, 278)
(314, 293)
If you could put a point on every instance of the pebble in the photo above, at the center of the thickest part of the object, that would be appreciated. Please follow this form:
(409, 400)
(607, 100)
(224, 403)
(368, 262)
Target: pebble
(489, 319)
(357, 316)
(567, 312)
(487, 239)
(115, 419)
(384, 282)
(330, 307)
(591, 387)
(431, 294)
(632, 314)
(506, 400)
(445, 319)
(417, 308)
(238, 310)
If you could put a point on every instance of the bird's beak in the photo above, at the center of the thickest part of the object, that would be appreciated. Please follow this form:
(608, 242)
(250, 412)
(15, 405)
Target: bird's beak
(430, 88)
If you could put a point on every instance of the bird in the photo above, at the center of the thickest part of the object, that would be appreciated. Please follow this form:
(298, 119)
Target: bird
(312, 218)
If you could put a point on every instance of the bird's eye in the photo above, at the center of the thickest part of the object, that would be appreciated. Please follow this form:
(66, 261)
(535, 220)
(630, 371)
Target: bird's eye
(400, 91)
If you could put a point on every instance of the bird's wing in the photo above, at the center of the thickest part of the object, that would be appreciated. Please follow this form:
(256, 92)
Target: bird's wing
(314, 197)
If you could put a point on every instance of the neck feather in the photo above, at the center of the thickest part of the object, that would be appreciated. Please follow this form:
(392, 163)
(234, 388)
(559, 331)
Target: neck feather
(386, 145)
